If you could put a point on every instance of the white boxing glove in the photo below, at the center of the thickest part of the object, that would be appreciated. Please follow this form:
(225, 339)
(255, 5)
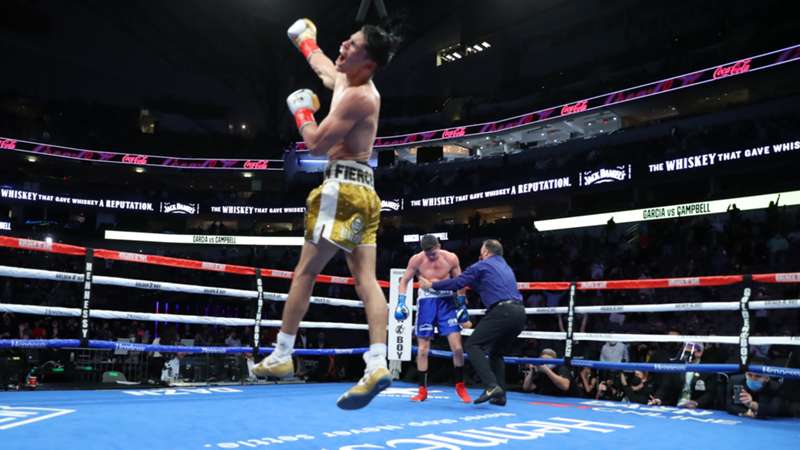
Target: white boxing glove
(303, 34)
(303, 103)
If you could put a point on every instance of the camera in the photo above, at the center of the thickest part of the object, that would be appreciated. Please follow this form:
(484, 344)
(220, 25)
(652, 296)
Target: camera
(737, 391)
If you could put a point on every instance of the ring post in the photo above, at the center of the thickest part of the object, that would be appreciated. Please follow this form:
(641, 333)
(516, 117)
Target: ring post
(570, 322)
(744, 335)
(399, 339)
(258, 309)
(87, 297)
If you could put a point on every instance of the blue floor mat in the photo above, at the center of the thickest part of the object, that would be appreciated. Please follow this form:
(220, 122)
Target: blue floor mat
(304, 416)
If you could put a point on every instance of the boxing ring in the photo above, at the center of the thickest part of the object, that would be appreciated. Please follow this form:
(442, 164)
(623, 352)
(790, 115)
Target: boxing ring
(304, 416)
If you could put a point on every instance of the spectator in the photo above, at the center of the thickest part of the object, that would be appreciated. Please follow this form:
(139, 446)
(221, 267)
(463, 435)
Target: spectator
(587, 383)
(637, 388)
(549, 379)
(690, 389)
(610, 388)
(756, 395)
(233, 339)
(614, 351)
(8, 329)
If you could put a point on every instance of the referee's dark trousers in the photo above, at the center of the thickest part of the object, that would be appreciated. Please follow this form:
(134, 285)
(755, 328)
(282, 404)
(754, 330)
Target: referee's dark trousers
(494, 336)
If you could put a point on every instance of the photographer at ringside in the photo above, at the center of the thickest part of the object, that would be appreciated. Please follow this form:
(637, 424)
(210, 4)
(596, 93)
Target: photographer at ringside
(756, 395)
(549, 379)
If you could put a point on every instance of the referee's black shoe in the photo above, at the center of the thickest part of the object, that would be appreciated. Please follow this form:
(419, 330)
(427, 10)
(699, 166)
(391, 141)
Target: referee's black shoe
(500, 401)
(495, 393)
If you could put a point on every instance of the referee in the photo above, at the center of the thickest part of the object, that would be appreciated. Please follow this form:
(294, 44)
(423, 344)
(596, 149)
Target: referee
(505, 317)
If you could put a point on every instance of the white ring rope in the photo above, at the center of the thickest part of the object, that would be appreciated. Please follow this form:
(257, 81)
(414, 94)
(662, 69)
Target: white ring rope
(172, 318)
(605, 337)
(661, 307)
(229, 321)
(20, 272)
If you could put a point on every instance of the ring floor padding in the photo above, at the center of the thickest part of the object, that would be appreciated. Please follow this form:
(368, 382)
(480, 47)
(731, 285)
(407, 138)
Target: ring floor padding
(304, 416)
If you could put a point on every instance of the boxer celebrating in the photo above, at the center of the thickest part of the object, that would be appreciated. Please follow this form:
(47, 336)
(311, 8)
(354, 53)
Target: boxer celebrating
(343, 213)
(445, 310)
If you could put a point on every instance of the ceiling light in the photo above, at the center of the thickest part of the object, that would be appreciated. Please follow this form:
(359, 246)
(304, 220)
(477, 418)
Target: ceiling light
(139, 169)
(478, 48)
(244, 126)
(32, 158)
(247, 174)
(485, 44)
(457, 55)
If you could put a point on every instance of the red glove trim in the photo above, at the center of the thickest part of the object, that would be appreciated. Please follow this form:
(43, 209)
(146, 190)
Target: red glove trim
(308, 47)
(303, 117)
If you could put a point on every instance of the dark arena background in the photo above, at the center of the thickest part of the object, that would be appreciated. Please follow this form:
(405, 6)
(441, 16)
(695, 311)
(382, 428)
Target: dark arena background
(637, 161)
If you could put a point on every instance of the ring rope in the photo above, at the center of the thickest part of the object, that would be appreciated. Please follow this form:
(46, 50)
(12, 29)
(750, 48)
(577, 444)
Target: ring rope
(665, 307)
(786, 372)
(176, 287)
(21, 272)
(134, 347)
(34, 245)
(172, 318)
(229, 321)
(66, 249)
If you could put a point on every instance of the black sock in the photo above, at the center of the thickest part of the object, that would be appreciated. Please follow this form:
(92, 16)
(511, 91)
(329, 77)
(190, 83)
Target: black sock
(459, 372)
(423, 378)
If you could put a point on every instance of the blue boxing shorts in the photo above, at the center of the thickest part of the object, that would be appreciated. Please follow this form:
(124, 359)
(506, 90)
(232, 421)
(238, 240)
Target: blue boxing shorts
(436, 311)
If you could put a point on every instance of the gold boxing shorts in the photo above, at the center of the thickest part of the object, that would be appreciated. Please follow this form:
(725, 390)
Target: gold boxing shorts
(345, 209)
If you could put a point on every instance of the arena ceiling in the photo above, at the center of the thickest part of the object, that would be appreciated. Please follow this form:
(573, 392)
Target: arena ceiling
(207, 59)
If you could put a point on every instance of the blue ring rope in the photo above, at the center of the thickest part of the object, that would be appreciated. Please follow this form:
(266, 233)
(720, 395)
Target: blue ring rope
(775, 371)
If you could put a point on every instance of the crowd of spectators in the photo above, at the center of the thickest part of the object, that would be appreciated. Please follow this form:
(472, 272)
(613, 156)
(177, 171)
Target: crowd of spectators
(733, 243)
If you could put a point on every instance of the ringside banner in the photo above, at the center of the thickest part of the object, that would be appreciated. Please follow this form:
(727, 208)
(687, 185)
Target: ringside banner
(671, 211)
(204, 239)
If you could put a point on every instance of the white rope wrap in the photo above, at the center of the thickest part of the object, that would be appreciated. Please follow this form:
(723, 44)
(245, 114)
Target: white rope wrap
(665, 307)
(173, 287)
(775, 304)
(603, 337)
(541, 310)
(275, 296)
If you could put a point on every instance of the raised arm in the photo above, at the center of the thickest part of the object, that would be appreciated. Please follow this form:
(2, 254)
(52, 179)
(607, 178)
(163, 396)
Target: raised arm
(303, 34)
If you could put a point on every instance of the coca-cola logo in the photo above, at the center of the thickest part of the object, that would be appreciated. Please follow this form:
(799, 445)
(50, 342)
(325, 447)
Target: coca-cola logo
(260, 164)
(134, 159)
(8, 144)
(575, 107)
(454, 133)
(735, 69)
